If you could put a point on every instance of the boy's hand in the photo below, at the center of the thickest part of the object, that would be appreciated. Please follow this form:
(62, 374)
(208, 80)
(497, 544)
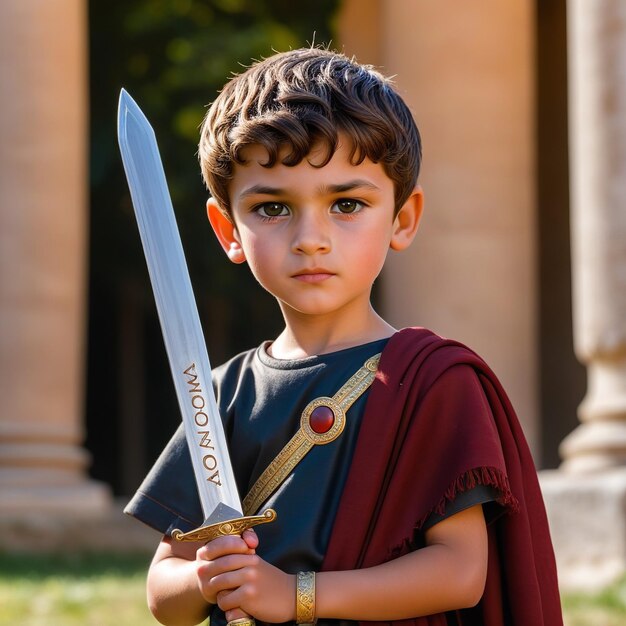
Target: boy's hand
(212, 560)
(235, 578)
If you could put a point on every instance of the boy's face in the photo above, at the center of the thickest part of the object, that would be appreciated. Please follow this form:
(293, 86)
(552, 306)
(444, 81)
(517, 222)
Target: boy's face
(315, 238)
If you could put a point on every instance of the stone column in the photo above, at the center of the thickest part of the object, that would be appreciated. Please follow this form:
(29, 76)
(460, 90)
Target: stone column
(597, 58)
(466, 71)
(43, 234)
(586, 498)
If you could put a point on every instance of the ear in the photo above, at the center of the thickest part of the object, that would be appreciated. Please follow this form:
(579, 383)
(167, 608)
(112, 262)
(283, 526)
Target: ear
(407, 221)
(225, 231)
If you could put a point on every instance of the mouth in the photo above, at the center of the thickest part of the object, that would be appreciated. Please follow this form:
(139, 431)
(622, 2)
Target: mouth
(315, 275)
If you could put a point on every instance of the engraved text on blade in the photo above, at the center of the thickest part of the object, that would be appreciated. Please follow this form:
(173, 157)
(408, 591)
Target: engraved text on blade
(201, 419)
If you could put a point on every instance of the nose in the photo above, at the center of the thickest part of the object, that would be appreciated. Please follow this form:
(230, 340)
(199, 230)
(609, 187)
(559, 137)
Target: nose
(311, 234)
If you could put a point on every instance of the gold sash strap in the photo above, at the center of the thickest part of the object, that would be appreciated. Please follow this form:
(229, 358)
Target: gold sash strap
(306, 437)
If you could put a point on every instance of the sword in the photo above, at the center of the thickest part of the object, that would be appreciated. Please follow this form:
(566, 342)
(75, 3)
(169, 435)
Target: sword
(182, 333)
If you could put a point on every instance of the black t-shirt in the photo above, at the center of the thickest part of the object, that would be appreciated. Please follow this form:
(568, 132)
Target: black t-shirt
(261, 400)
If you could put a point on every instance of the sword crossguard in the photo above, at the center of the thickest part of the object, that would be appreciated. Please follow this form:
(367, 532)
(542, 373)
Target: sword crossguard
(229, 527)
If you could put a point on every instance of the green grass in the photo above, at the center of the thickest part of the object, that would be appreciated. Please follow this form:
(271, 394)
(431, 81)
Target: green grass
(605, 608)
(109, 590)
(90, 590)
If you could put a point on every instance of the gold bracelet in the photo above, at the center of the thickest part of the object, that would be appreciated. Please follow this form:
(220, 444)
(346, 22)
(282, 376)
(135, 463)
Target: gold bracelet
(305, 598)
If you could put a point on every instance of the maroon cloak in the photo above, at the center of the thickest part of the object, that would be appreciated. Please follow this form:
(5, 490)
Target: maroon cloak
(414, 454)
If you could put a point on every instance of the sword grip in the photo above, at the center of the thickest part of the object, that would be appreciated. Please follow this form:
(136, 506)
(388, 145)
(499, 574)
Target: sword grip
(220, 529)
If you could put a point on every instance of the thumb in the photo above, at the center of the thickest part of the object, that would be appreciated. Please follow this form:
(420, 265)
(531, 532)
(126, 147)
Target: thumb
(251, 538)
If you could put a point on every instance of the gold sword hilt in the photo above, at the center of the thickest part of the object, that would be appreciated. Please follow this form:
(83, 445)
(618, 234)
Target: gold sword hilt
(221, 529)
(242, 621)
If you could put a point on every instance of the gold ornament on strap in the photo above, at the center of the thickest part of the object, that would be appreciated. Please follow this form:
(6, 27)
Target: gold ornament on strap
(305, 598)
(322, 421)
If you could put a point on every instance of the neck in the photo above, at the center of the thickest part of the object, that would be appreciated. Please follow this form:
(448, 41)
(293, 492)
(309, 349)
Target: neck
(306, 335)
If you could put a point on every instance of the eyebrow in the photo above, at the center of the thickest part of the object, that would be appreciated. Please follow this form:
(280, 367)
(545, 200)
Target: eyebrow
(262, 190)
(350, 185)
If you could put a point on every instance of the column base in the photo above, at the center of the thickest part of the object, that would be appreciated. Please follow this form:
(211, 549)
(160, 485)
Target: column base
(101, 528)
(587, 515)
(81, 498)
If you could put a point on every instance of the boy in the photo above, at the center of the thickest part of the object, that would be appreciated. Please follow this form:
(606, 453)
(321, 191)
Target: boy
(419, 500)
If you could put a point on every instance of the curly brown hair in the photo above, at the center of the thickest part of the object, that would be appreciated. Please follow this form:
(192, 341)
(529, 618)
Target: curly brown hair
(295, 100)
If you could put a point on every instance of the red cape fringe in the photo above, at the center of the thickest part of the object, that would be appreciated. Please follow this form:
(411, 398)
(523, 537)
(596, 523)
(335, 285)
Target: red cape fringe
(486, 476)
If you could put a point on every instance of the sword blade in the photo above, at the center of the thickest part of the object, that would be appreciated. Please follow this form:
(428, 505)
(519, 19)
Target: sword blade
(178, 314)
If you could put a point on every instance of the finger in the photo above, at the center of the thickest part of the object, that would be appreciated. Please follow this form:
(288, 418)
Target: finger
(210, 589)
(231, 544)
(234, 614)
(221, 597)
(251, 538)
(231, 600)
(230, 582)
(207, 570)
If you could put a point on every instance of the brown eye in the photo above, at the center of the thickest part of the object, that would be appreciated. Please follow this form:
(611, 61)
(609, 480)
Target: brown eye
(346, 205)
(272, 209)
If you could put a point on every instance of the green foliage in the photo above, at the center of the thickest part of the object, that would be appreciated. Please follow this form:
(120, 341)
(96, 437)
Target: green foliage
(173, 56)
